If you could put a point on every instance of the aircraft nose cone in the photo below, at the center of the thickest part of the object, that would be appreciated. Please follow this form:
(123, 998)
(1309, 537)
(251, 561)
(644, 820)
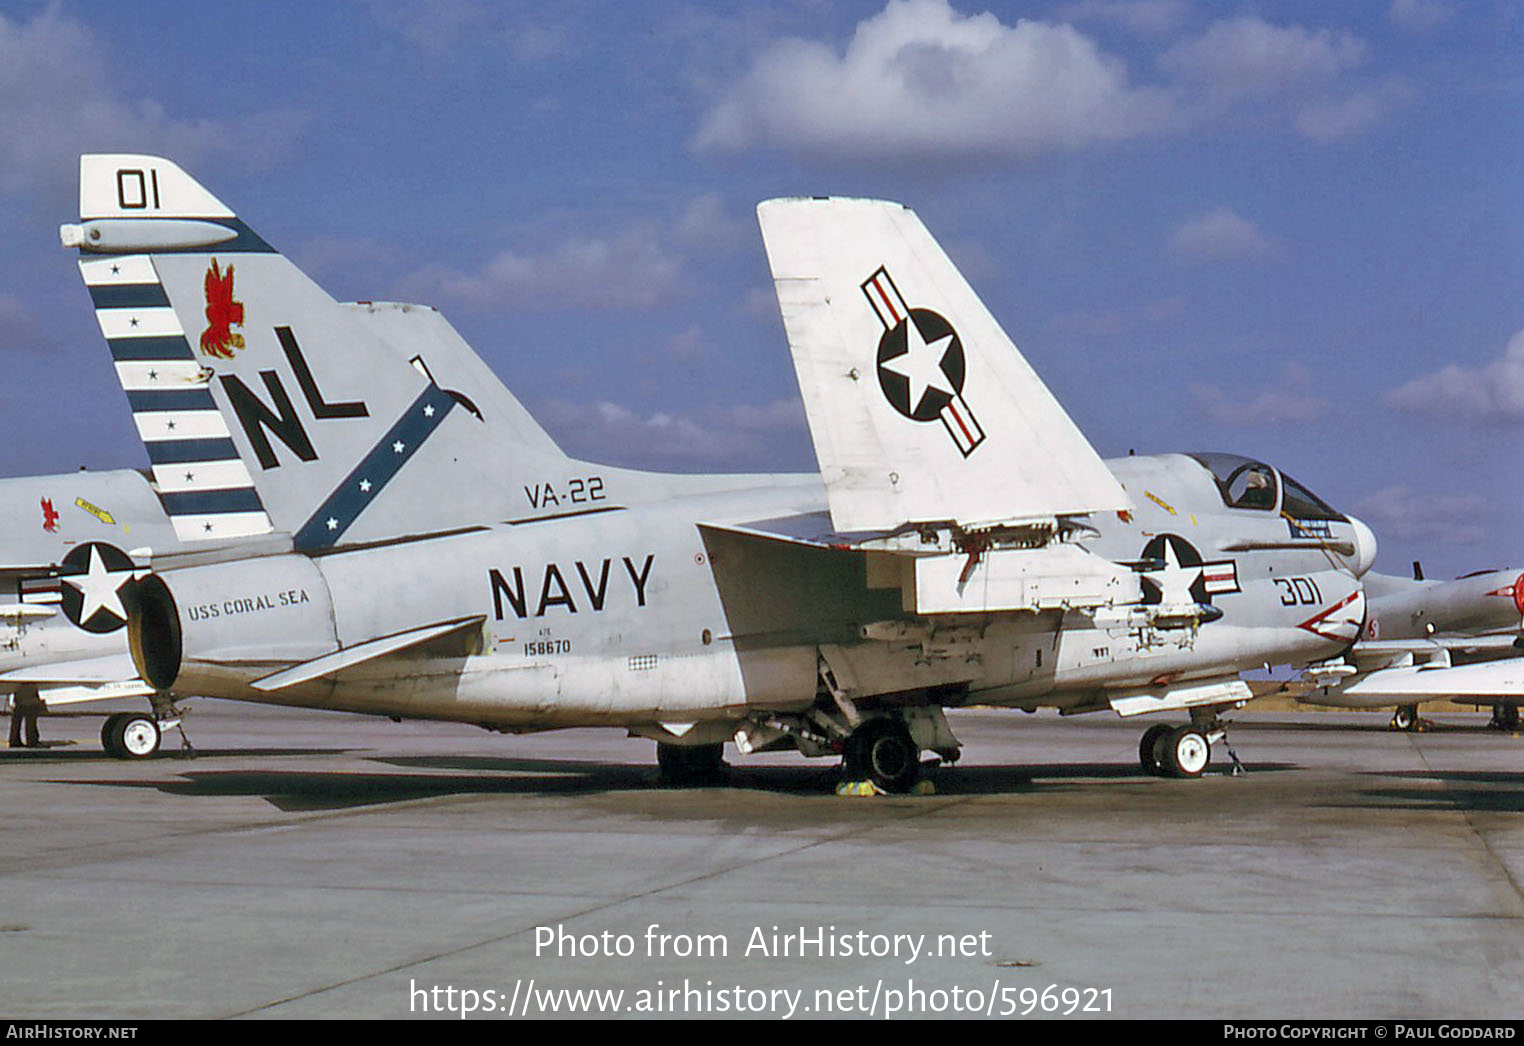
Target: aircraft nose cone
(1365, 546)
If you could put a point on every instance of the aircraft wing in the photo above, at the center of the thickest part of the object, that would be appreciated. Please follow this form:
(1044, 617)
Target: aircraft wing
(93, 671)
(1414, 683)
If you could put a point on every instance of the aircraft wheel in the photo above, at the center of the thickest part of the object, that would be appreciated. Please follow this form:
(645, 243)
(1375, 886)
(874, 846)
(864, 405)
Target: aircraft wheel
(138, 737)
(691, 766)
(1148, 748)
(1504, 717)
(111, 734)
(1185, 752)
(1405, 717)
(882, 751)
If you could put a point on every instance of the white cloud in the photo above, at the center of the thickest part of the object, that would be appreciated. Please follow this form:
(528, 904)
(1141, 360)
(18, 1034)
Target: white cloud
(1492, 394)
(1344, 117)
(712, 438)
(1249, 56)
(1292, 401)
(704, 223)
(1246, 65)
(1400, 512)
(634, 270)
(919, 79)
(638, 268)
(1217, 235)
(57, 100)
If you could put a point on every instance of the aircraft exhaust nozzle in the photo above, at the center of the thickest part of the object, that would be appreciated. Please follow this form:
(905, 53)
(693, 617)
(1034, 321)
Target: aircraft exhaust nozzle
(1365, 546)
(153, 633)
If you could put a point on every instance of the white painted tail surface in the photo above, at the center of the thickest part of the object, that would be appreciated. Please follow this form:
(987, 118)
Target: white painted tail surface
(920, 406)
(266, 405)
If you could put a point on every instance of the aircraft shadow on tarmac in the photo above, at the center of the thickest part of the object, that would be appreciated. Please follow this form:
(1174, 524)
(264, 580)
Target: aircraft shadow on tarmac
(293, 790)
(69, 752)
(1464, 790)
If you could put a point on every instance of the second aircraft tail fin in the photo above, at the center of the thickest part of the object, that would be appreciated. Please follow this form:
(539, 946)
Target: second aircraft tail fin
(921, 408)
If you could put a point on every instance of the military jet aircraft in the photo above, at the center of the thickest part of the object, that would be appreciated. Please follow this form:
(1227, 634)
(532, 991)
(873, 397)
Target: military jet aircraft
(63, 570)
(421, 549)
(1430, 640)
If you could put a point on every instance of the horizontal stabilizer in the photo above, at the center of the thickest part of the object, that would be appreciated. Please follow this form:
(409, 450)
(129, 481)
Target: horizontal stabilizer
(361, 653)
(920, 406)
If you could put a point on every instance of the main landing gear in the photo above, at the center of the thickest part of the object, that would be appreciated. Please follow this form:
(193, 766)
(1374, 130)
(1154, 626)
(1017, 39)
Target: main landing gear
(1180, 751)
(130, 735)
(1505, 718)
(137, 735)
(1406, 717)
(882, 751)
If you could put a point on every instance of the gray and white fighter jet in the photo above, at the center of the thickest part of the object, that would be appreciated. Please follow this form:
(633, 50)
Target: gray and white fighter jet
(1431, 640)
(419, 548)
(64, 567)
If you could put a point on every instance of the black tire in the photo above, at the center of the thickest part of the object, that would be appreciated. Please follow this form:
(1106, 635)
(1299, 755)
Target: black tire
(882, 751)
(1505, 718)
(1185, 752)
(1148, 748)
(111, 735)
(691, 766)
(1405, 717)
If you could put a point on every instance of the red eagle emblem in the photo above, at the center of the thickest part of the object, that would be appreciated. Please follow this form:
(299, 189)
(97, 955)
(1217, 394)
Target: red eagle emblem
(222, 314)
(49, 516)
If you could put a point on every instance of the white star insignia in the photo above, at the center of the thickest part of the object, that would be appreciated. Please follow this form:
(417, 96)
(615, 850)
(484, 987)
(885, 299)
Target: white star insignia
(333, 524)
(921, 364)
(428, 411)
(397, 448)
(1174, 581)
(365, 486)
(100, 588)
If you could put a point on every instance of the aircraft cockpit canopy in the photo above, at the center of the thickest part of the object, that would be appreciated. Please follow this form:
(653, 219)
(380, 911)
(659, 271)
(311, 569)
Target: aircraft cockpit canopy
(1248, 484)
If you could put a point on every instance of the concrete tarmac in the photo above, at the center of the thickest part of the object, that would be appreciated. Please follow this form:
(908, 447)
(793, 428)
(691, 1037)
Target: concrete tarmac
(305, 864)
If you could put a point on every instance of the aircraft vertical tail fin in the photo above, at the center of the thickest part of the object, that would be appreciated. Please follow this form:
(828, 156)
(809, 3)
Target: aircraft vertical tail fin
(266, 405)
(921, 408)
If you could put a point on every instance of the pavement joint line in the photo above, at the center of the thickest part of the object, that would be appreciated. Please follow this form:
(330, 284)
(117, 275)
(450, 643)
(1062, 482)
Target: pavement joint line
(1481, 837)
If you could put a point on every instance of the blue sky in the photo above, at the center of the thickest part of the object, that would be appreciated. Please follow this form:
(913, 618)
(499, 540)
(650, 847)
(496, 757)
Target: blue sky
(1288, 230)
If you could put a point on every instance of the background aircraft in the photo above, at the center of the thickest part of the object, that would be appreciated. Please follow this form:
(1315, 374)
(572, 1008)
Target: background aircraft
(1430, 640)
(66, 568)
(432, 556)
